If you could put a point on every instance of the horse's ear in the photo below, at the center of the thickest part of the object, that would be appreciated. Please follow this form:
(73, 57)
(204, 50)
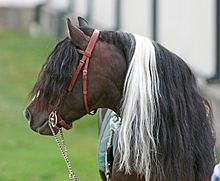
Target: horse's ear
(82, 21)
(78, 37)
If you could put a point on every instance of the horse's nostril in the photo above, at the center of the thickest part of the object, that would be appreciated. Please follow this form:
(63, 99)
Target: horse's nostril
(27, 114)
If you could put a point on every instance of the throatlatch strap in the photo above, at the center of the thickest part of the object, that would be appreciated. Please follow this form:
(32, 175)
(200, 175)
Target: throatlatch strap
(63, 123)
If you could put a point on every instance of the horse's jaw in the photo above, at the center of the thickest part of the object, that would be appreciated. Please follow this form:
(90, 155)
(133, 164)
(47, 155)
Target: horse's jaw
(38, 123)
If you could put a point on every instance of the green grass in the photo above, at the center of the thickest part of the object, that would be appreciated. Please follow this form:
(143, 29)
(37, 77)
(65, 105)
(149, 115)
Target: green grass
(25, 155)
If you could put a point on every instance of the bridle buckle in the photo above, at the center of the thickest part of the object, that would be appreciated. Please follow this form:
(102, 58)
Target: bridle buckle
(52, 119)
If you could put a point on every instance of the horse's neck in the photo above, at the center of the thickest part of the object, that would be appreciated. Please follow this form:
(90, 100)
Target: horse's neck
(122, 47)
(128, 44)
(125, 42)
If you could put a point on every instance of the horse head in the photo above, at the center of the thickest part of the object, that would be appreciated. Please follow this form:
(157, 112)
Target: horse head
(106, 70)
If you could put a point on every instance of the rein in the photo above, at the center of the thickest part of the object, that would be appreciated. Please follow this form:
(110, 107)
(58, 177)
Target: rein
(55, 120)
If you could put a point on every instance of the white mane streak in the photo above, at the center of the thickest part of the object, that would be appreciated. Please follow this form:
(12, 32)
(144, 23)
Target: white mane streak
(139, 105)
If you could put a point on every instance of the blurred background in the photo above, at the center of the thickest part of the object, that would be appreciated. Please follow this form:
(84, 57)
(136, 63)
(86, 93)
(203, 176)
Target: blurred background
(29, 29)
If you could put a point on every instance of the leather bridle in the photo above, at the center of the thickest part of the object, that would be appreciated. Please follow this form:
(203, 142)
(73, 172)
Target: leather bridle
(55, 118)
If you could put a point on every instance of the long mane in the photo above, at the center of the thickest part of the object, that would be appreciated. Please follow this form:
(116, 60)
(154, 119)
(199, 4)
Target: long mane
(166, 132)
(55, 74)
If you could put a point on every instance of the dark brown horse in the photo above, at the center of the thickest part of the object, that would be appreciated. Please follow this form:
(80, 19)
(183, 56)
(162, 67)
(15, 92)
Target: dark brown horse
(166, 131)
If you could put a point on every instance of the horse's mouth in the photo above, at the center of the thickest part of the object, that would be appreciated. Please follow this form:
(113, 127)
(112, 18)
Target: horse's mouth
(44, 129)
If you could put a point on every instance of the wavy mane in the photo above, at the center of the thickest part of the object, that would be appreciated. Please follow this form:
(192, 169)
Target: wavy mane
(166, 133)
(55, 74)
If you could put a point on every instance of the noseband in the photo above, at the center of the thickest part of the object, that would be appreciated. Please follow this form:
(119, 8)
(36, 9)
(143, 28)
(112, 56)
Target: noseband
(55, 118)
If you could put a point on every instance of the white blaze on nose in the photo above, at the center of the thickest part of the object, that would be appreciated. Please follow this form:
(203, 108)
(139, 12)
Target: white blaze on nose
(35, 96)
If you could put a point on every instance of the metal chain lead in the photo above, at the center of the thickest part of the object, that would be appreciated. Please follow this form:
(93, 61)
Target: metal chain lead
(71, 175)
(64, 152)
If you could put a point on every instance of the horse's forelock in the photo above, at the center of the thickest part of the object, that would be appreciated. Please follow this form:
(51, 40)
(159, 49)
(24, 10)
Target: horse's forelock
(55, 75)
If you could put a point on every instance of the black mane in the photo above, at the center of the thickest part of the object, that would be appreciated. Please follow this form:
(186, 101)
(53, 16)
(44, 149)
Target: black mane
(55, 74)
(185, 125)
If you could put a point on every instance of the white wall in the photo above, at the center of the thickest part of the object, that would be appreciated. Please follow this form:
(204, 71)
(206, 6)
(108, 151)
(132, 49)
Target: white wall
(104, 13)
(80, 7)
(137, 16)
(188, 28)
